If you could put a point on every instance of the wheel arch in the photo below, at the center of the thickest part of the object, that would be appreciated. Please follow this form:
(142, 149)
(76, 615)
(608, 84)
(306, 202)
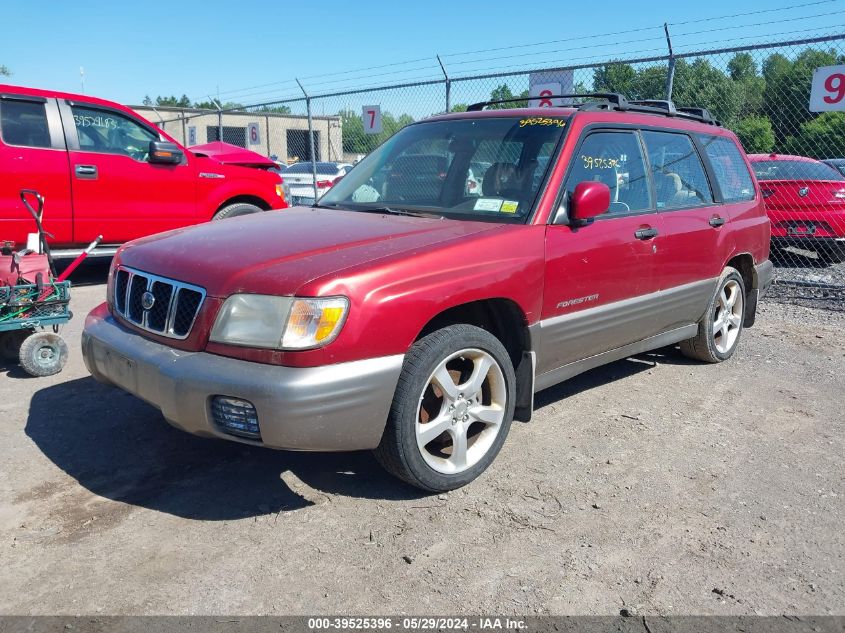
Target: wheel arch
(504, 319)
(744, 263)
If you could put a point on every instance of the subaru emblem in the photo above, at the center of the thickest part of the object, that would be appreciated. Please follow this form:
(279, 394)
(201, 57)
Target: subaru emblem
(147, 300)
(803, 191)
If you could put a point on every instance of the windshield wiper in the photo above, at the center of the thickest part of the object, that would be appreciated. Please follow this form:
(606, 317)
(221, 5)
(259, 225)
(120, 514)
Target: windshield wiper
(394, 211)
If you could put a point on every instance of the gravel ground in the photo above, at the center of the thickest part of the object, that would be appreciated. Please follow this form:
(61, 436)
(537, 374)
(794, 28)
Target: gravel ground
(800, 278)
(653, 484)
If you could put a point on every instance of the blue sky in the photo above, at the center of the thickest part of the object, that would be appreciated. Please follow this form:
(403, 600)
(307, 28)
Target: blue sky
(250, 51)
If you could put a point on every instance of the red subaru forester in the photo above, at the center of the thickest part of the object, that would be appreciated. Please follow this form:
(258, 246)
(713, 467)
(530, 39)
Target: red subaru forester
(405, 314)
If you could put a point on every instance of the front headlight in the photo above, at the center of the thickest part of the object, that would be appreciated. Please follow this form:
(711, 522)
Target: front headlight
(279, 322)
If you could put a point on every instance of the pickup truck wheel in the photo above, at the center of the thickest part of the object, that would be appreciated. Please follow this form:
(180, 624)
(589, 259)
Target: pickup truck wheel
(721, 326)
(452, 409)
(235, 210)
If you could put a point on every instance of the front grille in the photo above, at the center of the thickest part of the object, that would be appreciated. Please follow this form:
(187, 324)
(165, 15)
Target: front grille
(156, 304)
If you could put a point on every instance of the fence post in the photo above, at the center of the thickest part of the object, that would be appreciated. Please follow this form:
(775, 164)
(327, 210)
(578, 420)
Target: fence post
(670, 74)
(267, 132)
(310, 138)
(448, 85)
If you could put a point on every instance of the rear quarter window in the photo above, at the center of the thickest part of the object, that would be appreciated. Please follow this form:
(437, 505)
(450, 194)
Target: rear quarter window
(729, 167)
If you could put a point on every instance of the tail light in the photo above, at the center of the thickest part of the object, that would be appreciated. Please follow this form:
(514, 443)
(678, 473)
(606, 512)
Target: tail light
(326, 184)
(767, 193)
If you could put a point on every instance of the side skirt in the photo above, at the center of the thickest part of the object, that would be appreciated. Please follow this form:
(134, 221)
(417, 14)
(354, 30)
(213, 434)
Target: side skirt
(553, 377)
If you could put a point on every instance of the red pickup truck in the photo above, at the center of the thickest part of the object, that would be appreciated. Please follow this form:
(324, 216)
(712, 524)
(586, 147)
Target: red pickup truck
(104, 170)
(407, 314)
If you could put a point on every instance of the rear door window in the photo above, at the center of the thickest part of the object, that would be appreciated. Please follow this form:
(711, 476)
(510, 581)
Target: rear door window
(729, 168)
(679, 178)
(616, 159)
(24, 123)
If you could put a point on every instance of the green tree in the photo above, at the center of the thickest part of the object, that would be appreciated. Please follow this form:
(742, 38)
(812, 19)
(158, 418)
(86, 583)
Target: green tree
(621, 78)
(821, 137)
(756, 134)
(180, 102)
(648, 83)
(357, 142)
(742, 66)
(274, 109)
(787, 91)
(4, 71)
(502, 92)
(459, 107)
(700, 84)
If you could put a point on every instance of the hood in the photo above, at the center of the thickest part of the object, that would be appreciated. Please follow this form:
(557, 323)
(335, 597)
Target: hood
(278, 251)
(231, 155)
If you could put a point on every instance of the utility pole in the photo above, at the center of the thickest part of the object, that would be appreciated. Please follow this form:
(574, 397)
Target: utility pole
(82, 78)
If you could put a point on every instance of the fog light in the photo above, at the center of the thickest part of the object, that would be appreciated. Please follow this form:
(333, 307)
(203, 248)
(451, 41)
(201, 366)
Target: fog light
(235, 417)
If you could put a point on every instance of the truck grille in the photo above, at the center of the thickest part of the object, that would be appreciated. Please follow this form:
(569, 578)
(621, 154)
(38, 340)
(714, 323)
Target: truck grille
(156, 304)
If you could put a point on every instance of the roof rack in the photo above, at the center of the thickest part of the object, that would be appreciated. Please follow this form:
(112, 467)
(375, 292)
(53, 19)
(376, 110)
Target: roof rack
(618, 103)
(611, 97)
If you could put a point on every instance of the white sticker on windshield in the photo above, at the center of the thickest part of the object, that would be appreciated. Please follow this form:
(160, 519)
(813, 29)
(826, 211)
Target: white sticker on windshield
(487, 204)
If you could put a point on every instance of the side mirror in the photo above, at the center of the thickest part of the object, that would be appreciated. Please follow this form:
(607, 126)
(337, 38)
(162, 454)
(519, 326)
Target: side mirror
(590, 199)
(165, 153)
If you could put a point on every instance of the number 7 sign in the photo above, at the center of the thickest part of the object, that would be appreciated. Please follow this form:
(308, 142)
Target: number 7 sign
(372, 119)
(828, 91)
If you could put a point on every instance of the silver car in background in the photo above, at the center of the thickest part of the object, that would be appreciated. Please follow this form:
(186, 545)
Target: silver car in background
(299, 180)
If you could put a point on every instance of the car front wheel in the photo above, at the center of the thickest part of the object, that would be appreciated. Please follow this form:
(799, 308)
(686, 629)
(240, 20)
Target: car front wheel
(236, 210)
(452, 409)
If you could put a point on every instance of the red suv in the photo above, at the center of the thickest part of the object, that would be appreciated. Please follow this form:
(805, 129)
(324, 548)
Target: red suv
(406, 315)
(106, 171)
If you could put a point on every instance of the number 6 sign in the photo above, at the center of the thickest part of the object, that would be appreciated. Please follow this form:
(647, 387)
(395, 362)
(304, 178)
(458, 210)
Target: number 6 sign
(372, 119)
(828, 92)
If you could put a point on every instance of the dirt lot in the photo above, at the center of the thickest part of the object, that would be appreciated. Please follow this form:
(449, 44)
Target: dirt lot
(655, 484)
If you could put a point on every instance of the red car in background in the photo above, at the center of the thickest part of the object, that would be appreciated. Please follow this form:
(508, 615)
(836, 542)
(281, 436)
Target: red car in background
(805, 201)
(104, 170)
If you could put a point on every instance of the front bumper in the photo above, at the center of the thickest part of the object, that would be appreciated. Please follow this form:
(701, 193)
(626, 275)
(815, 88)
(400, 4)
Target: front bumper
(331, 408)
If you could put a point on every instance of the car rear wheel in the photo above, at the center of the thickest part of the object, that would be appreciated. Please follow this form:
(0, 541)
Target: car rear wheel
(452, 409)
(235, 210)
(721, 326)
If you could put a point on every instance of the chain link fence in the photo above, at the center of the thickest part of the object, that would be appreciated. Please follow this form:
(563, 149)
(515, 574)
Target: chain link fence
(759, 91)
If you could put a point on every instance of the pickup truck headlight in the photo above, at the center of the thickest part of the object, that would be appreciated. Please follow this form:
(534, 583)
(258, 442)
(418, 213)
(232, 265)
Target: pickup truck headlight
(286, 323)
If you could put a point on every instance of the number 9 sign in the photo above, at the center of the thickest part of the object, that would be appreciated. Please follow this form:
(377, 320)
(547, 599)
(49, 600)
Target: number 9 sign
(828, 91)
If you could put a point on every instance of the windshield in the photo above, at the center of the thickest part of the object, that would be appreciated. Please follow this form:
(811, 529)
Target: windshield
(490, 168)
(795, 170)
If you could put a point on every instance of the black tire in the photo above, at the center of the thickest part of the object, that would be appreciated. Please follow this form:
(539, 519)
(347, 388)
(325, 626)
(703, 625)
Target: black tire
(236, 210)
(10, 344)
(703, 345)
(398, 452)
(43, 354)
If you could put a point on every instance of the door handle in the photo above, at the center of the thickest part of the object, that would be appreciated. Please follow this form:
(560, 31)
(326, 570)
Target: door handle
(88, 172)
(645, 234)
(716, 221)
